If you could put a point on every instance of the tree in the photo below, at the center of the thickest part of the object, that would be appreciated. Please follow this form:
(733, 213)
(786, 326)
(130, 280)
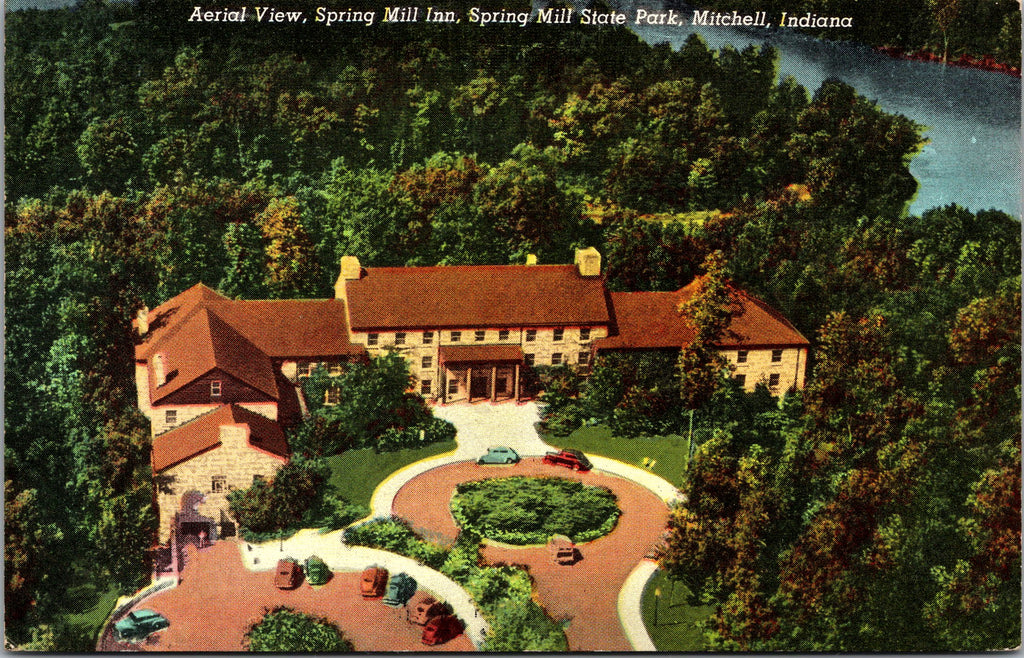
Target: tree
(289, 254)
(707, 315)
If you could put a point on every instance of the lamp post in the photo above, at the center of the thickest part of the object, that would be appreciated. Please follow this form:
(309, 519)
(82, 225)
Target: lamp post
(657, 598)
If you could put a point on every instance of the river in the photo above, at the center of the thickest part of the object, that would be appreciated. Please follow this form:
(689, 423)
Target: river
(973, 117)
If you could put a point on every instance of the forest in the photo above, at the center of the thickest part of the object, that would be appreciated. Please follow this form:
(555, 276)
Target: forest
(879, 509)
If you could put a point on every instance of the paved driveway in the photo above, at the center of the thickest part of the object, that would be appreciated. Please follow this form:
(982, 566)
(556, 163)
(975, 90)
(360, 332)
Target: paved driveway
(482, 425)
(586, 594)
(218, 599)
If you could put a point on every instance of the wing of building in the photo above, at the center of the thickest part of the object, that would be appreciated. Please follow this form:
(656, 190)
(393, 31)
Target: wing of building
(218, 378)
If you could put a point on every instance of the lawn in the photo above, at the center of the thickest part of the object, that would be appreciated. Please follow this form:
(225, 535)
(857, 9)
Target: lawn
(88, 607)
(356, 473)
(669, 453)
(674, 628)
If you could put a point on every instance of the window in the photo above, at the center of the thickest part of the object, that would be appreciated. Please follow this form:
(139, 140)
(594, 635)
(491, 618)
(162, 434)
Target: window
(428, 337)
(426, 363)
(503, 334)
(400, 338)
(741, 356)
(303, 369)
(332, 395)
(776, 356)
(334, 368)
(218, 483)
(531, 335)
(773, 380)
(584, 358)
(741, 380)
(585, 333)
(453, 387)
(372, 339)
(480, 335)
(456, 336)
(257, 478)
(215, 388)
(559, 334)
(425, 386)
(556, 358)
(171, 417)
(528, 359)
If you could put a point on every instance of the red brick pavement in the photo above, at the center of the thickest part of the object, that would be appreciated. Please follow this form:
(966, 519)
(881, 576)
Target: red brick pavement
(584, 594)
(218, 599)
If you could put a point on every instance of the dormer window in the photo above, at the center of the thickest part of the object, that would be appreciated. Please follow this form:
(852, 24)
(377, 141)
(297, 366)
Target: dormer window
(215, 388)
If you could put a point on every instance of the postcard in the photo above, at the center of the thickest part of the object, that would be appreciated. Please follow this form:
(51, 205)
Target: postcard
(601, 325)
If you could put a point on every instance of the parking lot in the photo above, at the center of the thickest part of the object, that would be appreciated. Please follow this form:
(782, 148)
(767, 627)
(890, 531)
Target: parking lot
(219, 599)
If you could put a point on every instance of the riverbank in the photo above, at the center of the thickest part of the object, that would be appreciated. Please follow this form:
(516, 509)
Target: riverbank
(986, 63)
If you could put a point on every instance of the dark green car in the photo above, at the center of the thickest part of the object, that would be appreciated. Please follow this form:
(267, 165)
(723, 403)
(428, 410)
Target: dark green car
(138, 624)
(401, 587)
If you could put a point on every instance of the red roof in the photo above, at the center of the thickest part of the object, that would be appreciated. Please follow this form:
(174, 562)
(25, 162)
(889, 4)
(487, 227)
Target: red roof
(481, 353)
(475, 296)
(287, 328)
(651, 320)
(203, 433)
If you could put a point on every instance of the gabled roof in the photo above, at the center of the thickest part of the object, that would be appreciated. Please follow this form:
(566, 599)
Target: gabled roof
(651, 320)
(203, 433)
(475, 296)
(202, 343)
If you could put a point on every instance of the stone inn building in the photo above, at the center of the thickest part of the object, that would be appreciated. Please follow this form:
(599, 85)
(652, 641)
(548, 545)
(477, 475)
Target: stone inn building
(219, 378)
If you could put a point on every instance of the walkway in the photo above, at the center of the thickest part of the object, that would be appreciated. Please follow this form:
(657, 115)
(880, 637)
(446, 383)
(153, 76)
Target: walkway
(585, 595)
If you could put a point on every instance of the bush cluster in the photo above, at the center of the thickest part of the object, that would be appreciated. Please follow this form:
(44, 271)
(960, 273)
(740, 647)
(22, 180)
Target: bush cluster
(396, 536)
(521, 510)
(284, 630)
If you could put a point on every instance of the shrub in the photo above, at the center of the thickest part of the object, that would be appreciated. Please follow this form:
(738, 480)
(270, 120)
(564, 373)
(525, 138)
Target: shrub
(284, 630)
(316, 571)
(521, 510)
(396, 536)
(395, 438)
(281, 503)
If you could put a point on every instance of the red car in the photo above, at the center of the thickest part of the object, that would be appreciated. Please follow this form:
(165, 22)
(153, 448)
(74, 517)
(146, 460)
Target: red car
(373, 582)
(573, 459)
(441, 629)
(288, 574)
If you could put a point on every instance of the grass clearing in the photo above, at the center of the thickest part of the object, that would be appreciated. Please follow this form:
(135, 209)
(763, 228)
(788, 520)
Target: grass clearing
(674, 627)
(669, 453)
(93, 607)
(356, 473)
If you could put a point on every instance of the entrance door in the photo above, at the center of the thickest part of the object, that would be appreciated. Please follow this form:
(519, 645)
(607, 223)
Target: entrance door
(480, 388)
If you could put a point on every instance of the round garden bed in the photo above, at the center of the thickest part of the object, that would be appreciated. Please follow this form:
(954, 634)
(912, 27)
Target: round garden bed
(529, 510)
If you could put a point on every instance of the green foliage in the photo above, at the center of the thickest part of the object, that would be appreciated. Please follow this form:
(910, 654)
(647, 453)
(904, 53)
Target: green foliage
(283, 630)
(520, 510)
(281, 503)
(396, 536)
(316, 571)
(707, 314)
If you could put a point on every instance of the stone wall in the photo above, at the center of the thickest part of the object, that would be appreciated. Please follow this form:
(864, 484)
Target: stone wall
(235, 460)
(759, 366)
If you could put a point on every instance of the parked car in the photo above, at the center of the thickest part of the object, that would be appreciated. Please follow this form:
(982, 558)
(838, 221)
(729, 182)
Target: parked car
(573, 459)
(441, 629)
(424, 607)
(373, 582)
(563, 551)
(138, 624)
(401, 587)
(288, 574)
(499, 455)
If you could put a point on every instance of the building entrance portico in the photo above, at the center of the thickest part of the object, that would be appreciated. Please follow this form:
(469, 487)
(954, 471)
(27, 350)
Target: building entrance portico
(481, 372)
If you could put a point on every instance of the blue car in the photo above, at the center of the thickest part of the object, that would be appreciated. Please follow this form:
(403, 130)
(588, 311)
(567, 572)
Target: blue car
(499, 455)
(138, 624)
(401, 587)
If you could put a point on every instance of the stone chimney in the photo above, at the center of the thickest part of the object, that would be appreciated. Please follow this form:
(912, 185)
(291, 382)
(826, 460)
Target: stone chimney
(531, 259)
(142, 320)
(160, 368)
(351, 270)
(588, 262)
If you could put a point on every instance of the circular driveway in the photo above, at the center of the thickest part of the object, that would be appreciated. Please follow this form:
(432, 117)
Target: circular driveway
(584, 596)
(218, 599)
